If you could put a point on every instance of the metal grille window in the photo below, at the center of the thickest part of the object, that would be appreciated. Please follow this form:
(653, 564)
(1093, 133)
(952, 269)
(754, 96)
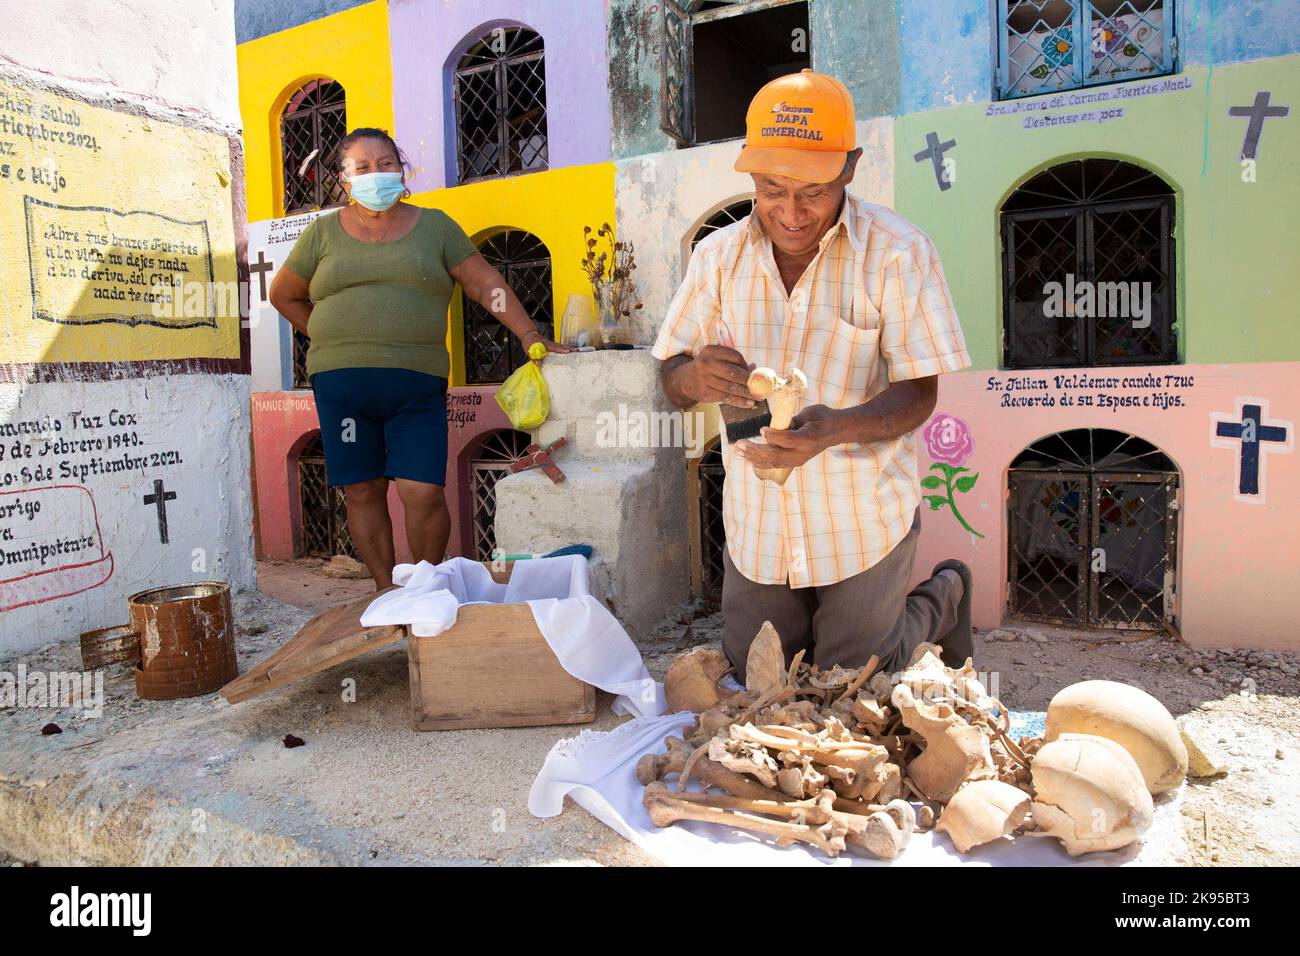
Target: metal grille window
(732, 212)
(713, 536)
(311, 128)
(491, 350)
(714, 55)
(1049, 45)
(1088, 268)
(300, 346)
(500, 93)
(324, 509)
(1092, 521)
(488, 466)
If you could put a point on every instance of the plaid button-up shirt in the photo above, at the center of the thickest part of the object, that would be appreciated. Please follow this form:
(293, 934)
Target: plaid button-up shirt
(871, 309)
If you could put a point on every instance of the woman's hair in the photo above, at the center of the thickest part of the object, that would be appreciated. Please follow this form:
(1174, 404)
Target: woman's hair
(372, 132)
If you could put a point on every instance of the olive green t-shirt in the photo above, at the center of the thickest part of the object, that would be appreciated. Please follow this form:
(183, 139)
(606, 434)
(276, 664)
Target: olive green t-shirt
(380, 304)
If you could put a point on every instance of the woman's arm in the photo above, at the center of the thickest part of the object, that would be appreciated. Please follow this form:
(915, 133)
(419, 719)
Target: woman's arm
(290, 296)
(484, 285)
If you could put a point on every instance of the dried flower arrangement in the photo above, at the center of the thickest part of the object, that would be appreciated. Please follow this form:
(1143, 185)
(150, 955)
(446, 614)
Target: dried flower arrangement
(609, 270)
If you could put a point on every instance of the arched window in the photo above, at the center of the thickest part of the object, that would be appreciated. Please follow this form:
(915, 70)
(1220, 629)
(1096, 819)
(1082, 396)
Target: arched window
(1092, 522)
(500, 89)
(732, 212)
(488, 464)
(1088, 268)
(323, 509)
(491, 351)
(312, 125)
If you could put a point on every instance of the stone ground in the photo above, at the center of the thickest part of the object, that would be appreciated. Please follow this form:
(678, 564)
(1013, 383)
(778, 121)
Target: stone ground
(201, 781)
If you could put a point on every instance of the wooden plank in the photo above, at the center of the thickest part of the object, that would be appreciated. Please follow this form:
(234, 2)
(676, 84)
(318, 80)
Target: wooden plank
(330, 638)
(738, 9)
(493, 668)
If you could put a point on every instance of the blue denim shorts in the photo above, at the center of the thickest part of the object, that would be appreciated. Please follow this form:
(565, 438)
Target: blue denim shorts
(382, 422)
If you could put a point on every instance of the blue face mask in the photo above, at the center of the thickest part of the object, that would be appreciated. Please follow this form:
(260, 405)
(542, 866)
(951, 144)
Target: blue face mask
(377, 191)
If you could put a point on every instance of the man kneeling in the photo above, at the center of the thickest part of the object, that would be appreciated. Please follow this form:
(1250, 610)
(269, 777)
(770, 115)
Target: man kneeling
(853, 295)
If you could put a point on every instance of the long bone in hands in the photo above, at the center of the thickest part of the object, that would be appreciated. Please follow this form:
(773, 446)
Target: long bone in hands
(784, 398)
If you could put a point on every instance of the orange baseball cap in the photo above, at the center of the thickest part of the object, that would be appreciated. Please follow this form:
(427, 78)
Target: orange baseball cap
(801, 126)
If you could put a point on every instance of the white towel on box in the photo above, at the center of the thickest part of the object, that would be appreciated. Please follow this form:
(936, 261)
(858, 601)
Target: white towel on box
(587, 640)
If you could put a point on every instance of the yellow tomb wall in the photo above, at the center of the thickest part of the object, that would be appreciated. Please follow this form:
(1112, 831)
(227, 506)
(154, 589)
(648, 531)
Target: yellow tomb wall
(350, 47)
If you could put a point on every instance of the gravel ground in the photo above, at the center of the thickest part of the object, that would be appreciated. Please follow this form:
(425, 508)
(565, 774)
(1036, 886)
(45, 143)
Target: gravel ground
(124, 788)
(365, 789)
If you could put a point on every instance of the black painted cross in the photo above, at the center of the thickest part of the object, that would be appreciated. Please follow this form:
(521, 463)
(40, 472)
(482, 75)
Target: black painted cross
(159, 499)
(261, 269)
(934, 152)
(1258, 112)
(1250, 432)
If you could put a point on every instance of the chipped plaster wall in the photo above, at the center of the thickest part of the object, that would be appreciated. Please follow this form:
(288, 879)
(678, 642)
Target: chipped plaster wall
(855, 40)
(97, 415)
(150, 54)
(624, 491)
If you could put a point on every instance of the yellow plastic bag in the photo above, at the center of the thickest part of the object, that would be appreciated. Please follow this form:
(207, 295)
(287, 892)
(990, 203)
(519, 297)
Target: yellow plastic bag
(524, 396)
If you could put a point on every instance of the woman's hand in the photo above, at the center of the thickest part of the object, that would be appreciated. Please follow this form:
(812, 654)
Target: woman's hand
(528, 338)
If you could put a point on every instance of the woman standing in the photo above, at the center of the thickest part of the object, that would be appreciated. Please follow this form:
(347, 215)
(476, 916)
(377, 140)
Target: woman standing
(370, 285)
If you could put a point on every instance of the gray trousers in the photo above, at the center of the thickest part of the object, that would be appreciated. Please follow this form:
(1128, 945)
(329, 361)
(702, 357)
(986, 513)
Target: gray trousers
(846, 622)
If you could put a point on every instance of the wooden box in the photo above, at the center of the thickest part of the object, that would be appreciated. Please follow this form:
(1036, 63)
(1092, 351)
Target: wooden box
(493, 668)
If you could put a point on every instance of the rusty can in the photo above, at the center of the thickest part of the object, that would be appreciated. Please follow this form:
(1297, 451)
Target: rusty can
(119, 644)
(187, 640)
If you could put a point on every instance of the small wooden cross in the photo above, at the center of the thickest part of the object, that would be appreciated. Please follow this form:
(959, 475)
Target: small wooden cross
(535, 456)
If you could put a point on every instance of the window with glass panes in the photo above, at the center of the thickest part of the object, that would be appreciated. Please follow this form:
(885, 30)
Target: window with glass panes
(1045, 46)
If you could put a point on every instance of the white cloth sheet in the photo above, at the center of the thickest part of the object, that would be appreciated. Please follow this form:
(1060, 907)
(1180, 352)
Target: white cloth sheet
(597, 769)
(587, 639)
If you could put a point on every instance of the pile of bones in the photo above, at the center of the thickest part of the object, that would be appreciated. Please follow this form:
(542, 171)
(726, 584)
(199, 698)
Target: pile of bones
(852, 757)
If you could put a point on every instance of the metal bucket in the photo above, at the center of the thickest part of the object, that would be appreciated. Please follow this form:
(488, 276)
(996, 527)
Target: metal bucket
(187, 640)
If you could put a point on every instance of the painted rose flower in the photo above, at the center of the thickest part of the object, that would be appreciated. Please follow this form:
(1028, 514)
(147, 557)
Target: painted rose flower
(948, 439)
(950, 444)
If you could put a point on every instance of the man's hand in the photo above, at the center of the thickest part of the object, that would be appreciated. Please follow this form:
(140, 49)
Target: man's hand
(812, 431)
(717, 374)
